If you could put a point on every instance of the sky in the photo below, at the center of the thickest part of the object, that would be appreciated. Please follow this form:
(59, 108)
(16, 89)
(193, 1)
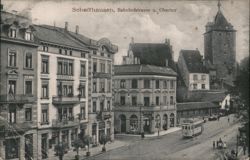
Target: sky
(184, 25)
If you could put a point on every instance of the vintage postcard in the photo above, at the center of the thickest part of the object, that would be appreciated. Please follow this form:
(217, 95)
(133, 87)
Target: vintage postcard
(124, 80)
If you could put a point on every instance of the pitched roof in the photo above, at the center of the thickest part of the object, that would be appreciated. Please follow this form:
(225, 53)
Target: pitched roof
(152, 53)
(51, 34)
(138, 69)
(195, 105)
(193, 61)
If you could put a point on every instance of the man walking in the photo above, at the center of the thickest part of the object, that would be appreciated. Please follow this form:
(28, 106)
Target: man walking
(213, 144)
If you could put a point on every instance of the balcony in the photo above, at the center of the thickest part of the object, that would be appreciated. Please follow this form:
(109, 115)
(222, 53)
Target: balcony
(20, 99)
(101, 75)
(103, 115)
(57, 100)
(18, 127)
(70, 122)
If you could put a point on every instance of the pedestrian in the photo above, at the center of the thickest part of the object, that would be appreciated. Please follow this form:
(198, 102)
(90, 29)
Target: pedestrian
(218, 117)
(228, 119)
(216, 144)
(244, 149)
(213, 144)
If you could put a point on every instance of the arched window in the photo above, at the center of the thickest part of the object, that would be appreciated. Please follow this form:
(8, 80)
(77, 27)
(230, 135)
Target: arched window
(172, 120)
(165, 122)
(133, 124)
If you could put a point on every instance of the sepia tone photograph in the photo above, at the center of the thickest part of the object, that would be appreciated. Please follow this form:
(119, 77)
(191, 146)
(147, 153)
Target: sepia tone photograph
(124, 80)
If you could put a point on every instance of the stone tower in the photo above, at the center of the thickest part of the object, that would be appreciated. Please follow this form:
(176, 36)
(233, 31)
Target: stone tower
(219, 47)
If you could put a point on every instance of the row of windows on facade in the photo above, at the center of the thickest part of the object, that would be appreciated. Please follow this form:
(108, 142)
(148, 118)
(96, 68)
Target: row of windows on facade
(102, 66)
(102, 106)
(102, 86)
(146, 83)
(64, 66)
(195, 86)
(12, 86)
(13, 34)
(69, 52)
(64, 90)
(12, 59)
(64, 114)
(195, 77)
(147, 101)
(12, 114)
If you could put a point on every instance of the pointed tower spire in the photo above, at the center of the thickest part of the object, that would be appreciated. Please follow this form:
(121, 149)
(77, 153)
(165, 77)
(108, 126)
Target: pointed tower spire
(219, 5)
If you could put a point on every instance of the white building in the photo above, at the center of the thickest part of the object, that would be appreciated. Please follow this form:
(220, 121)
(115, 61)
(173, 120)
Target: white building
(62, 95)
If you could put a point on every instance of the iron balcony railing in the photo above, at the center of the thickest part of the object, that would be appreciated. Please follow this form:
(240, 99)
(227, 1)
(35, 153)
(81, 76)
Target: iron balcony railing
(66, 99)
(70, 122)
(18, 98)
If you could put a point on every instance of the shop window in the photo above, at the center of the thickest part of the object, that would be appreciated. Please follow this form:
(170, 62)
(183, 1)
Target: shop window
(12, 148)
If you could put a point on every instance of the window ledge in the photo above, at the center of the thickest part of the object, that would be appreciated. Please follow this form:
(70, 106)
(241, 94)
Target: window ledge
(25, 68)
(12, 67)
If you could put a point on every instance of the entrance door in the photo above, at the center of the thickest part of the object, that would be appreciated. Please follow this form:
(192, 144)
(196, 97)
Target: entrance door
(123, 123)
(146, 126)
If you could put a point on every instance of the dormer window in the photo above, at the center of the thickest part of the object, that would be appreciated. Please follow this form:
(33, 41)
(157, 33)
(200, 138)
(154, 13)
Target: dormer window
(13, 33)
(28, 36)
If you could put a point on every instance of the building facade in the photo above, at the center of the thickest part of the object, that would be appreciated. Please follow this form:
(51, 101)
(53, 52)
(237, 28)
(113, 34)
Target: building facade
(145, 98)
(220, 48)
(18, 88)
(62, 70)
(192, 70)
(100, 92)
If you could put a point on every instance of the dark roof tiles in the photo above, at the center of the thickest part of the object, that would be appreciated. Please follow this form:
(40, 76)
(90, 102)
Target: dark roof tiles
(143, 70)
(193, 61)
(153, 53)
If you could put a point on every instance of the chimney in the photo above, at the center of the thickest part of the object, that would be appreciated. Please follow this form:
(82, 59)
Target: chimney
(77, 29)
(132, 40)
(66, 26)
(166, 62)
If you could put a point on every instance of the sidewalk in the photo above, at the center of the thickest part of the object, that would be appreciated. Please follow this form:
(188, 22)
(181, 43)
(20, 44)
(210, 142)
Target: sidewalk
(93, 150)
(162, 133)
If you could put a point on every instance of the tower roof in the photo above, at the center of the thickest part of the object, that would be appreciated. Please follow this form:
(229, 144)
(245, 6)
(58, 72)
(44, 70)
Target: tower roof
(220, 22)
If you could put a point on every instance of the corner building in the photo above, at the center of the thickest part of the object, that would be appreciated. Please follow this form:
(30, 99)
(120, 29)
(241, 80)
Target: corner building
(18, 88)
(145, 98)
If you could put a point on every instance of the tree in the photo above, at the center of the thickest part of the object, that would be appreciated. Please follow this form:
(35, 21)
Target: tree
(87, 141)
(77, 144)
(103, 140)
(242, 91)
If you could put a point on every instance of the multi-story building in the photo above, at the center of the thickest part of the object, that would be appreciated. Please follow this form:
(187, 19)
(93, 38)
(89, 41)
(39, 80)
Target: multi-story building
(18, 88)
(145, 98)
(220, 49)
(62, 79)
(100, 94)
(192, 70)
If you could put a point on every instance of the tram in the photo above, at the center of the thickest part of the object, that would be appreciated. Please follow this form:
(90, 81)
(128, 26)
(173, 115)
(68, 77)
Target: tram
(191, 128)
